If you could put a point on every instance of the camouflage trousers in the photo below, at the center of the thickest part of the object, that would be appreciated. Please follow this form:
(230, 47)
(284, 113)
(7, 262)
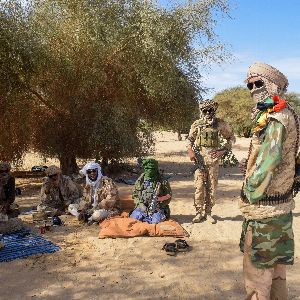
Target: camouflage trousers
(262, 283)
(205, 183)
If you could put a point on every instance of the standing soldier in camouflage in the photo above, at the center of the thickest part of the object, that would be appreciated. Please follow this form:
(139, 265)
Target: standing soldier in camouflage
(267, 194)
(145, 191)
(58, 191)
(100, 196)
(205, 150)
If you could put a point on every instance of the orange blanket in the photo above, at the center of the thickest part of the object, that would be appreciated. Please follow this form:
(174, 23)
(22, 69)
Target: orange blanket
(123, 226)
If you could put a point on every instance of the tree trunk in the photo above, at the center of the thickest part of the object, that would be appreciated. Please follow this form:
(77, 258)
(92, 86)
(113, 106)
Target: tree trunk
(179, 135)
(68, 164)
(104, 165)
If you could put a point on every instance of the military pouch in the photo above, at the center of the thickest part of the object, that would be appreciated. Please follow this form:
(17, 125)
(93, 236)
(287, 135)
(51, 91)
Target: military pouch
(207, 137)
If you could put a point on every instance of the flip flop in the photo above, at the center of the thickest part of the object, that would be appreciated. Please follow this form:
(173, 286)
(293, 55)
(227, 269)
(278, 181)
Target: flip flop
(170, 248)
(182, 245)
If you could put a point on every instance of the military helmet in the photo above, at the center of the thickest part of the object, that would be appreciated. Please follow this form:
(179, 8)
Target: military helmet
(208, 105)
(52, 170)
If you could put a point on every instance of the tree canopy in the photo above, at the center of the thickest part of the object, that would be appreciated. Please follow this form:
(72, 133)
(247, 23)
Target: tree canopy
(235, 105)
(85, 78)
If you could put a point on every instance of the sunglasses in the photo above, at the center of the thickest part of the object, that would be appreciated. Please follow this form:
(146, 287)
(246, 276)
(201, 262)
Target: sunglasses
(208, 111)
(257, 84)
(52, 176)
(91, 171)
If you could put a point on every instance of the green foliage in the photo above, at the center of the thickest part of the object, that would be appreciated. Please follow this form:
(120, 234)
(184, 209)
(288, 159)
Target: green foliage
(228, 159)
(81, 75)
(294, 100)
(235, 106)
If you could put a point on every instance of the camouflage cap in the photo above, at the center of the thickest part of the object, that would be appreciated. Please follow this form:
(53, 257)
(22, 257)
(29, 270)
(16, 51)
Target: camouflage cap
(52, 170)
(5, 166)
(270, 73)
(208, 104)
(150, 163)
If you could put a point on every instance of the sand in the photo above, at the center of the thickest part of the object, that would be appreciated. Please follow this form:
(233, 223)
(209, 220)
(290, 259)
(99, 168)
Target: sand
(91, 268)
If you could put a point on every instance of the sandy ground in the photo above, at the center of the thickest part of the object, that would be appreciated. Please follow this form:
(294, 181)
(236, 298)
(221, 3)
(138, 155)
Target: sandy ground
(91, 268)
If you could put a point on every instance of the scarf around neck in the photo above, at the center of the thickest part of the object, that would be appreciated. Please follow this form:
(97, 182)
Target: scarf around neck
(95, 185)
(274, 104)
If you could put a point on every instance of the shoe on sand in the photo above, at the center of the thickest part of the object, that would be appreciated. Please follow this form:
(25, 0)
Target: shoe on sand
(211, 219)
(182, 245)
(198, 218)
(170, 248)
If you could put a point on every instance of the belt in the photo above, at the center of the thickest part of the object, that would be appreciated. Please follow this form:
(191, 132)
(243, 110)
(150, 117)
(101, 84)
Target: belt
(271, 200)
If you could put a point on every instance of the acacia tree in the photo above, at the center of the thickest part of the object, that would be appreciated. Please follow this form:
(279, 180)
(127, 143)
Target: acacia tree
(86, 75)
(235, 105)
(294, 100)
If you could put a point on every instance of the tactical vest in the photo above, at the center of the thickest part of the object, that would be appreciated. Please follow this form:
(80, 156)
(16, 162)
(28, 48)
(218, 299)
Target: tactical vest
(147, 192)
(207, 137)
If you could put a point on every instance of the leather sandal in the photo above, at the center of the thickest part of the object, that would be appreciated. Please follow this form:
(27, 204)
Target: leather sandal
(182, 245)
(170, 248)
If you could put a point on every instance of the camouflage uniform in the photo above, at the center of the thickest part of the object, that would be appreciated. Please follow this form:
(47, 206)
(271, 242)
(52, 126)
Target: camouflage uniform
(204, 137)
(100, 197)
(7, 191)
(266, 198)
(8, 210)
(108, 200)
(55, 198)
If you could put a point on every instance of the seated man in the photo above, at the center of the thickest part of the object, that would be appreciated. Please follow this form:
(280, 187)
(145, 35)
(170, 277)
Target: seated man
(152, 195)
(100, 196)
(7, 192)
(58, 191)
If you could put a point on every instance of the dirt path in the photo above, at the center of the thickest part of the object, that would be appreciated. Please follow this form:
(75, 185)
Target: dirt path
(90, 268)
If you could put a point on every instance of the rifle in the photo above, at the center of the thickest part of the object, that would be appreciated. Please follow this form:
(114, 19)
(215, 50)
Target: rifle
(153, 204)
(200, 164)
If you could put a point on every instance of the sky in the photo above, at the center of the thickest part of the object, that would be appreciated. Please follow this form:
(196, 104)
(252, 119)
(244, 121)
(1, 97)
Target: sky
(257, 30)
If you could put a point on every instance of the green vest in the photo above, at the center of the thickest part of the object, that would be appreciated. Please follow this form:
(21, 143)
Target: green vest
(207, 137)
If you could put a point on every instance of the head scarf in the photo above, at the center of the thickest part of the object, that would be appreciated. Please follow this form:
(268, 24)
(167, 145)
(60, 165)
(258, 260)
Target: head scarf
(94, 184)
(276, 82)
(151, 171)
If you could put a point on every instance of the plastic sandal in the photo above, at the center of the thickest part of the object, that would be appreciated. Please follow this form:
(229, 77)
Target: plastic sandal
(170, 248)
(182, 245)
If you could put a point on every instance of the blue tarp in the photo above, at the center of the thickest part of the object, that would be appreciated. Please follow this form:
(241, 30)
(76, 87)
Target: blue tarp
(23, 243)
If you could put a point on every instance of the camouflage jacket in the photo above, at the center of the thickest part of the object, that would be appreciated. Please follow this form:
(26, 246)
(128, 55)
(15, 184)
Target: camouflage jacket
(108, 196)
(7, 189)
(59, 197)
(143, 192)
(271, 168)
(220, 127)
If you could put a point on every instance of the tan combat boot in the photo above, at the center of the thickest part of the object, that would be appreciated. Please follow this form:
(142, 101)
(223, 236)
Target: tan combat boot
(199, 217)
(211, 219)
